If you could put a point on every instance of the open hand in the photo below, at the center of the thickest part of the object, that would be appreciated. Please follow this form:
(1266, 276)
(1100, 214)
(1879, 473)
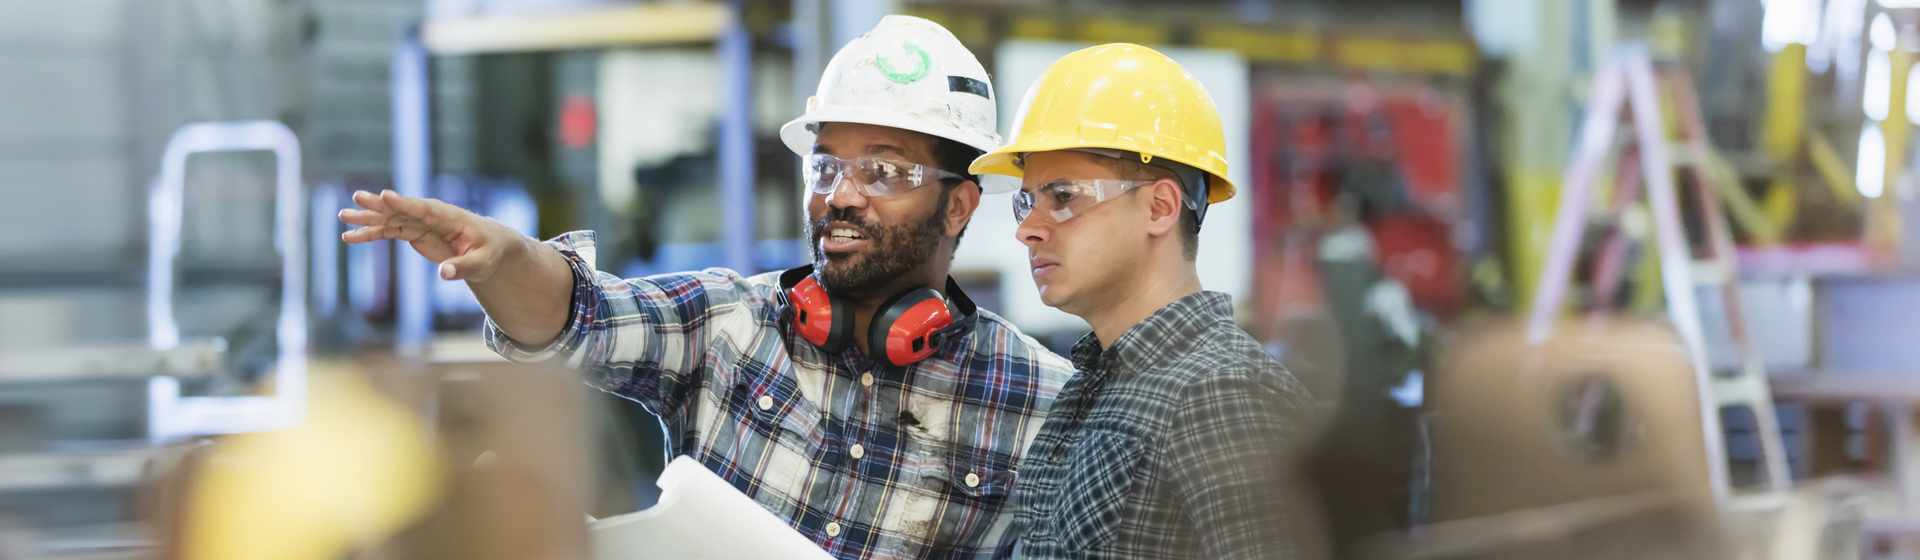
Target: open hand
(468, 246)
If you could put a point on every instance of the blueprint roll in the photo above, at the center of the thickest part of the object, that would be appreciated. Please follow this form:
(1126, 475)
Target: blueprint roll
(699, 517)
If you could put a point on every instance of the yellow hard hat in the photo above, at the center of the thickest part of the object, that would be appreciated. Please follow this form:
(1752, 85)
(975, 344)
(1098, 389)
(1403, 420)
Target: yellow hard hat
(1118, 96)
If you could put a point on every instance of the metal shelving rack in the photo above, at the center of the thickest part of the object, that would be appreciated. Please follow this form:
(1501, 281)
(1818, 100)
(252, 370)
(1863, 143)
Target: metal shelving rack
(628, 25)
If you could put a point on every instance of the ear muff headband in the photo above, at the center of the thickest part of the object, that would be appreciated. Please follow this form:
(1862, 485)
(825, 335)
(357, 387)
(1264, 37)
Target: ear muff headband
(903, 332)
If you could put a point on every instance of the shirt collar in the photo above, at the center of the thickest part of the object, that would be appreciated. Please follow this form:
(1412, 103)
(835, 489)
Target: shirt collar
(1167, 332)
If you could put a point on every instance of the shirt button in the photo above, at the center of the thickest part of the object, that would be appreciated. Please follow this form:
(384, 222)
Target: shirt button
(973, 480)
(766, 402)
(857, 451)
(866, 379)
(833, 529)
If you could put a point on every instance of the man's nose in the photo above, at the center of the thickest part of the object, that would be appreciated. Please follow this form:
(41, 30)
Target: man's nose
(1034, 230)
(845, 193)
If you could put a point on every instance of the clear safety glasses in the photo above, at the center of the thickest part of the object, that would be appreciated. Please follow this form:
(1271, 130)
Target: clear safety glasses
(1062, 200)
(874, 176)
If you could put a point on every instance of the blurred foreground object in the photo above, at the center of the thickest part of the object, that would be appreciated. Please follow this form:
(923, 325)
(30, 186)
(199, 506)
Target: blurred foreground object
(1586, 445)
(444, 460)
(358, 470)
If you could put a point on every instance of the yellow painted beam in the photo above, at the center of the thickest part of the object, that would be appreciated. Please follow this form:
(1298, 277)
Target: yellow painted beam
(1114, 30)
(1262, 46)
(617, 26)
(1786, 116)
(1833, 169)
(1039, 28)
(1432, 56)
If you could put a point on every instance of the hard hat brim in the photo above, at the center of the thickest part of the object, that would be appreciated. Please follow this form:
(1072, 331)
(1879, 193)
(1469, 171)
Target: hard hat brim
(799, 136)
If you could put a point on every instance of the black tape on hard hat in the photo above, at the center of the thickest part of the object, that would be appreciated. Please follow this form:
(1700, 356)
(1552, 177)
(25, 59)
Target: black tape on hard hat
(965, 84)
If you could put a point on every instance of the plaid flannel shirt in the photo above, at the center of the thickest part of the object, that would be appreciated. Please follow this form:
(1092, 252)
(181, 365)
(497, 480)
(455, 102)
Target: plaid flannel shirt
(1176, 442)
(869, 461)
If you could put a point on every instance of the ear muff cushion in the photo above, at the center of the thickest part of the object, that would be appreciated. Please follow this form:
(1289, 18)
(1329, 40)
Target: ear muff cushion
(818, 318)
(901, 330)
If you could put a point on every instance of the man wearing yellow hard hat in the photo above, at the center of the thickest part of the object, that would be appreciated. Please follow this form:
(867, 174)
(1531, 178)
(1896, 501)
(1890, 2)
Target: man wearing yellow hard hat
(1176, 437)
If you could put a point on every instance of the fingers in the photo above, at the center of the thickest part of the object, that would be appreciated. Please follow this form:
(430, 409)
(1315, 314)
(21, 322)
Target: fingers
(404, 231)
(370, 200)
(366, 234)
(430, 212)
(362, 217)
(397, 217)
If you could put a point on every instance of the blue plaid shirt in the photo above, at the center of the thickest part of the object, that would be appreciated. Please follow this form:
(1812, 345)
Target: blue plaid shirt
(868, 460)
(1178, 441)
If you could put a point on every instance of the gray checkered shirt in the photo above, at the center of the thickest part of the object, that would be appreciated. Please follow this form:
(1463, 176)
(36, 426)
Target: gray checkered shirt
(1177, 442)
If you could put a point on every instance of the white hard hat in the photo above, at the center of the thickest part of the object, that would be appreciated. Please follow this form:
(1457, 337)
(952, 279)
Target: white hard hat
(907, 73)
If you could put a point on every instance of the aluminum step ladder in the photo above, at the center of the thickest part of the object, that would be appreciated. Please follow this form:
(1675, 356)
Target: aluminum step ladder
(1629, 81)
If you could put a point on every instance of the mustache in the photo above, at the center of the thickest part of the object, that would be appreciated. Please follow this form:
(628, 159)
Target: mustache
(819, 227)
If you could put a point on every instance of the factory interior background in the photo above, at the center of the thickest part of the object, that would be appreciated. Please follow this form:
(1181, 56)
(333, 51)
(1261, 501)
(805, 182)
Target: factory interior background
(1475, 230)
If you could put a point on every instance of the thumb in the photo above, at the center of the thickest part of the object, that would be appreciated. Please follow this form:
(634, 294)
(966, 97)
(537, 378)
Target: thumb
(475, 266)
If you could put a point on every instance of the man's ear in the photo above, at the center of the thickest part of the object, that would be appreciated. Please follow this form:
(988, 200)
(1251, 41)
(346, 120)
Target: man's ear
(962, 199)
(1163, 209)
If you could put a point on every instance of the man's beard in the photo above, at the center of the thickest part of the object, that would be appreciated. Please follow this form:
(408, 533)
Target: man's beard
(893, 252)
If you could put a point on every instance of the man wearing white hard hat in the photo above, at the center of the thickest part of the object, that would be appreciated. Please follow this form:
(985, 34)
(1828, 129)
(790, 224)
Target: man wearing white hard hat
(864, 398)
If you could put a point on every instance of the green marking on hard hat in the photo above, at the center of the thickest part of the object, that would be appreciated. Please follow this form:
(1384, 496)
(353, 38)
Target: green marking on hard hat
(921, 65)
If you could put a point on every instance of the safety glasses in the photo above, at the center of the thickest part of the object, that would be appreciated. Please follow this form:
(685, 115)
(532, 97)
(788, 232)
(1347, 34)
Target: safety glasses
(873, 175)
(1062, 200)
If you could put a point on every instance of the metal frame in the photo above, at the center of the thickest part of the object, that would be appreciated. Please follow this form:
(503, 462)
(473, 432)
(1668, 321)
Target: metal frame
(170, 415)
(412, 131)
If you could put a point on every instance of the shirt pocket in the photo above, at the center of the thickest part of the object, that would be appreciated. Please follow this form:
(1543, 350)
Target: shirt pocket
(786, 434)
(1092, 493)
(955, 500)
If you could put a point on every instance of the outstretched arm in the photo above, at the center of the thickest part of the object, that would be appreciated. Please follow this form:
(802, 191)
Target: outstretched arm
(524, 285)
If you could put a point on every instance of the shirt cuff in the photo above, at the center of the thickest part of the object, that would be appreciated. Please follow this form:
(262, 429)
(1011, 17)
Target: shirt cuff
(578, 248)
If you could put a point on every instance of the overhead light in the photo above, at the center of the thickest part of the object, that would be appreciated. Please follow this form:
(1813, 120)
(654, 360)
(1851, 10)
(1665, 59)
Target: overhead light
(1840, 32)
(1913, 94)
(1877, 88)
(1881, 32)
(1789, 22)
(1870, 170)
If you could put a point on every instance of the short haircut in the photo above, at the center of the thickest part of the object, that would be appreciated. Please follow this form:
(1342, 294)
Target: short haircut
(951, 155)
(1130, 169)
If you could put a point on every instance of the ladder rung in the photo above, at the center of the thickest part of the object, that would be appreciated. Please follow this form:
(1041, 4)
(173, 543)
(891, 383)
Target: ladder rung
(1709, 273)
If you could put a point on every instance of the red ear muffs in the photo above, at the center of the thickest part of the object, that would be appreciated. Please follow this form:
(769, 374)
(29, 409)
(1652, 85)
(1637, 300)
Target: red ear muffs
(903, 331)
(821, 320)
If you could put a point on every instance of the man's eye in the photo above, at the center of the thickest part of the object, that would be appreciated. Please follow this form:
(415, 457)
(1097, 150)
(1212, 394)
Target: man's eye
(1062, 197)
(887, 169)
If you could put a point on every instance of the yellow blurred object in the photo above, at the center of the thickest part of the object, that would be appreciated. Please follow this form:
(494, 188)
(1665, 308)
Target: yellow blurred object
(1114, 30)
(1119, 96)
(1786, 103)
(1764, 224)
(1036, 28)
(359, 469)
(1394, 54)
(1301, 47)
(1837, 173)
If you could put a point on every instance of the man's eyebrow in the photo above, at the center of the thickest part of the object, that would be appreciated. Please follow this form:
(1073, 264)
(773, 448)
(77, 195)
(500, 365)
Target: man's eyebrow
(882, 148)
